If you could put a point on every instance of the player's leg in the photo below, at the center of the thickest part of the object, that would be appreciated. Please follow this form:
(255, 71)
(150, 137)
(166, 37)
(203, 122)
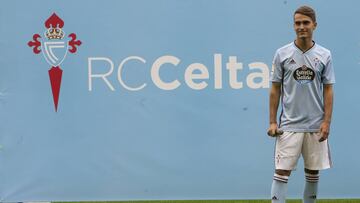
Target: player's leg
(316, 157)
(287, 152)
(311, 185)
(279, 186)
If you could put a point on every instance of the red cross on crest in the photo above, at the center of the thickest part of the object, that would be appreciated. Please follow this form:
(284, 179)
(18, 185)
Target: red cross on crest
(54, 46)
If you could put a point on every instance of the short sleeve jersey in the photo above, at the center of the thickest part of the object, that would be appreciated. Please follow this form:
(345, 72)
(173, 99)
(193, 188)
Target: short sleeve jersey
(302, 75)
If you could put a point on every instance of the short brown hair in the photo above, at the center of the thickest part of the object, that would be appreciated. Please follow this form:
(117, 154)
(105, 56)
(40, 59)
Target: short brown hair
(307, 11)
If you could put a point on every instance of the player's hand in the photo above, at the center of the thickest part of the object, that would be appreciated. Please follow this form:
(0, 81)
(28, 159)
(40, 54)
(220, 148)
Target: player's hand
(324, 131)
(274, 131)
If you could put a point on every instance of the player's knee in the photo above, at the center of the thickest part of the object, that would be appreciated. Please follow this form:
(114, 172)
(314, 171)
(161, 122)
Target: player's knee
(313, 172)
(283, 172)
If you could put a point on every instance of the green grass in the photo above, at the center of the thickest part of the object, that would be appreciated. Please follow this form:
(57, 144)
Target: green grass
(228, 201)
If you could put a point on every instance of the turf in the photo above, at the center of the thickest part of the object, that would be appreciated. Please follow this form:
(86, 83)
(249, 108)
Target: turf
(228, 201)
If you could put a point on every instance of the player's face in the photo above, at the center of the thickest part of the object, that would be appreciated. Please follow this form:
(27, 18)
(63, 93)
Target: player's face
(304, 26)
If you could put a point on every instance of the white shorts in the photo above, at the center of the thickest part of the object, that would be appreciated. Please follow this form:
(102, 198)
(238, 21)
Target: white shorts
(290, 145)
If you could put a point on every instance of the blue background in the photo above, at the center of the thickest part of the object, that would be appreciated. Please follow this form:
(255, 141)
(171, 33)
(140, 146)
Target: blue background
(156, 144)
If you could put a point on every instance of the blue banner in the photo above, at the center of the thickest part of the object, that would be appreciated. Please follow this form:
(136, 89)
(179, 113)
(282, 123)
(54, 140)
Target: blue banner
(163, 99)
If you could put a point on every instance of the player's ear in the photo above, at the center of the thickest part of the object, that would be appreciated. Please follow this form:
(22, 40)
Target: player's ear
(315, 25)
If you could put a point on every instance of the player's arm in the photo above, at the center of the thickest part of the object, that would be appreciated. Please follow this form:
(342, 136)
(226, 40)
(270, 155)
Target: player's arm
(328, 107)
(275, 93)
(328, 102)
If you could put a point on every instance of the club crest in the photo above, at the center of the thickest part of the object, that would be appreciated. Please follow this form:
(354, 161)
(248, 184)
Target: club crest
(54, 45)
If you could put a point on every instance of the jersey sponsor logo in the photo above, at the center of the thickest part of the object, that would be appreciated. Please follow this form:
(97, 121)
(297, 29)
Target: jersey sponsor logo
(304, 75)
(55, 46)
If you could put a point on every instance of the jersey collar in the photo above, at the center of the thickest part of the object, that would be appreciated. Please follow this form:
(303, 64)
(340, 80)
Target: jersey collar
(308, 50)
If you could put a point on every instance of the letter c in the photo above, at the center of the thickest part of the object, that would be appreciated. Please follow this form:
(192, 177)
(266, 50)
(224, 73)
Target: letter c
(155, 69)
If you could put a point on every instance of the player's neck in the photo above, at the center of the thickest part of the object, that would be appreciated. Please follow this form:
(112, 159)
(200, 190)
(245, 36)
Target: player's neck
(304, 44)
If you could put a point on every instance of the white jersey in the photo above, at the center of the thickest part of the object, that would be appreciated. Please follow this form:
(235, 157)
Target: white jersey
(302, 75)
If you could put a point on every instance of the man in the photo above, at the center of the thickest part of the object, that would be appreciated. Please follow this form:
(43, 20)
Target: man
(302, 78)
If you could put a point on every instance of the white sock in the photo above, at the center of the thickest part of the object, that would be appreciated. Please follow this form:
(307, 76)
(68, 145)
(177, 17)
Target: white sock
(311, 187)
(279, 188)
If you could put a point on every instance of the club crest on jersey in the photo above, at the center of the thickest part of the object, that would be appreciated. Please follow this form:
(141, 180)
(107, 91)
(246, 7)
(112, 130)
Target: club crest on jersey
(304, 75)
(316, 62)
(54, 47)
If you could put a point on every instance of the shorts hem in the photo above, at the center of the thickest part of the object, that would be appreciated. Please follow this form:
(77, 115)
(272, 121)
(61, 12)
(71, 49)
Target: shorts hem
(319, 168)
(286, 168)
